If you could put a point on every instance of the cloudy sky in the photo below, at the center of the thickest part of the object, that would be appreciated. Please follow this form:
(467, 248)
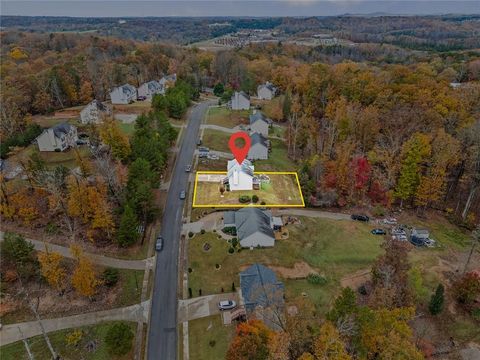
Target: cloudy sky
(115, 8)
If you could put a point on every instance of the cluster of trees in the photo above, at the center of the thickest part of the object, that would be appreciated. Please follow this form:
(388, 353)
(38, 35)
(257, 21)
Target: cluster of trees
(176, 100)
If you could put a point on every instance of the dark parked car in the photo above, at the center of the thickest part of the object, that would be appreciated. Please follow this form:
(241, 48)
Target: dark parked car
(159, 243)
(378, 232)
(360, 217)
(199, 142)
(417, 241)
(141, 98)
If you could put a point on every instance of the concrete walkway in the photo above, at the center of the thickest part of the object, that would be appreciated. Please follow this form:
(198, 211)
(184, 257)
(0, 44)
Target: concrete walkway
(97, 259)
(313, 213)
(10, 333)
(203, 306)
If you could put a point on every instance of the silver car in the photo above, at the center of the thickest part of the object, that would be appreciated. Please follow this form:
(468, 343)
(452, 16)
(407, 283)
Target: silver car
(227, 305)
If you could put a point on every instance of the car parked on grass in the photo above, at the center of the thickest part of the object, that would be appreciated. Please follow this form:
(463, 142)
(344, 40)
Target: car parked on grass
(378, 232)
(182, 195)
(159, 243)
(360, 217)
(226, 305)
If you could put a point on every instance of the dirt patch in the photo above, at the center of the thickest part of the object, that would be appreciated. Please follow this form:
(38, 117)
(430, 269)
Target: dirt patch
(300, 270)
(355, 280)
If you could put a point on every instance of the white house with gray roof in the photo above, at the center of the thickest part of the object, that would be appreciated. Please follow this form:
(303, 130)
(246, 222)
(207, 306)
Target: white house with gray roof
(266, 91)
(124, 94)
(254, 227)
(239, 101)
(259, 123)
(239, 176)
(58, 138)
(95, 112)
(258, 148)
(168, 80)
(151, 88)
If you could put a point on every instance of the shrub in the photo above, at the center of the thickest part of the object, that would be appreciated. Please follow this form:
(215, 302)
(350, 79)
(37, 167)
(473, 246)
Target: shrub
(74, 337)
(217, 266)
(316, 279)
(234, 242)
(263, 203)
(244, 199)
(378, 210)
(202, 231)
(254, 199)
(437, 300)
(110, 276)
(190, 269)
(212, 343)
(231, 250)
(190, 234)
(230, 230)
(119, 339)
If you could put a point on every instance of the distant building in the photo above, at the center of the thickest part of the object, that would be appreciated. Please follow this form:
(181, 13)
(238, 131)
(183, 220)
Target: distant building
(124, 94)
(239, 177)
(266, 91)
(455, 85)
(150, 88)
(262, 295)
(168, 81)
(58, 138)
(254, 227)
(94, 113)
(259, 123)
(258, 148)
(240, 101)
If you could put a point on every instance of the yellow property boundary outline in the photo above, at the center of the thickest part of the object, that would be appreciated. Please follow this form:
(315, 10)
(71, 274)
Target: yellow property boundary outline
(247, 205)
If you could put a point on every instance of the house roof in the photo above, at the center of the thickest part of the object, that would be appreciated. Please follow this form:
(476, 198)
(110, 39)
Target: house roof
(229, 217)
(257, 138)
(259, 284)
(242, 93)
(245, 167)
(154, 86)
(249, 221)
(258, 116)
(60, 129)
(99, 105)
(269, 86)
(125, 88)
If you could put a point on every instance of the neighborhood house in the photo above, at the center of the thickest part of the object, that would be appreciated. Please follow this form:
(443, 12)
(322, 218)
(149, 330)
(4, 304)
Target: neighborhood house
(239, 176)
(258, 148)
(240, 101)
(58, 138)
(94, 113)
(262, 295)
(124, 94)
(150, 88)
(168, 80)
(259, 123)
(266, 91)
(254, 227)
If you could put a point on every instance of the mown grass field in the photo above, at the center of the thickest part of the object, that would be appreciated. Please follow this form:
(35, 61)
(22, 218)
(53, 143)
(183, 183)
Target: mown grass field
(222, 116)
(216, 140)
(278, 159)
(201, 334)
(67, 352)
(283, 190)
(334, 248)
(66, 158)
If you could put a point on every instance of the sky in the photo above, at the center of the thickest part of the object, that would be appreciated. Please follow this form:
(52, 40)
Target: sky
(195, 8)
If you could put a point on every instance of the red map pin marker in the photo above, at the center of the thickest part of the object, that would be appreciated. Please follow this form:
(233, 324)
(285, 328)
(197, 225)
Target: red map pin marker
(239, 153)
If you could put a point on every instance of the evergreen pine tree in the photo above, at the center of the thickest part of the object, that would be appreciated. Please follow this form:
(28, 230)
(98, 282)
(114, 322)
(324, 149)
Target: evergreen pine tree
(127, 231)
(437, 300)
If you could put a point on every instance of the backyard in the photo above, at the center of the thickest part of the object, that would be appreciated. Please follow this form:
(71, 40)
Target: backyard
(90, 334)
(282, 190)
(278, 159)
(224, 117)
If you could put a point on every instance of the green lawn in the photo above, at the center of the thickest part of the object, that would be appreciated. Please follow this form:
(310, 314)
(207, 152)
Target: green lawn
(216, 140)
(66, 158)
(222, 116)
(127, 129)
(67, 352)
(131, 287)
(277, 159)
(201, 334)
(334, 248)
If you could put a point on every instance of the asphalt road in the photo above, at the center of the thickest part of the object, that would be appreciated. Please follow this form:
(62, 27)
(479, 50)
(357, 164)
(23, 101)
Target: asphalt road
(162, 336)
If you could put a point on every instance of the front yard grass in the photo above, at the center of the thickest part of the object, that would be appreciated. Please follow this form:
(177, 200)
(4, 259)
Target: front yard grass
(224, 117)
(216, 140)
(208, 331)
(282, 190)
(334, 248)
(40, 350)
(130, 287)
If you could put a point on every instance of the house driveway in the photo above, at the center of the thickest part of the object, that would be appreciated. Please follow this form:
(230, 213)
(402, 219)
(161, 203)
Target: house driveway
(210, 222)
(203, 306)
